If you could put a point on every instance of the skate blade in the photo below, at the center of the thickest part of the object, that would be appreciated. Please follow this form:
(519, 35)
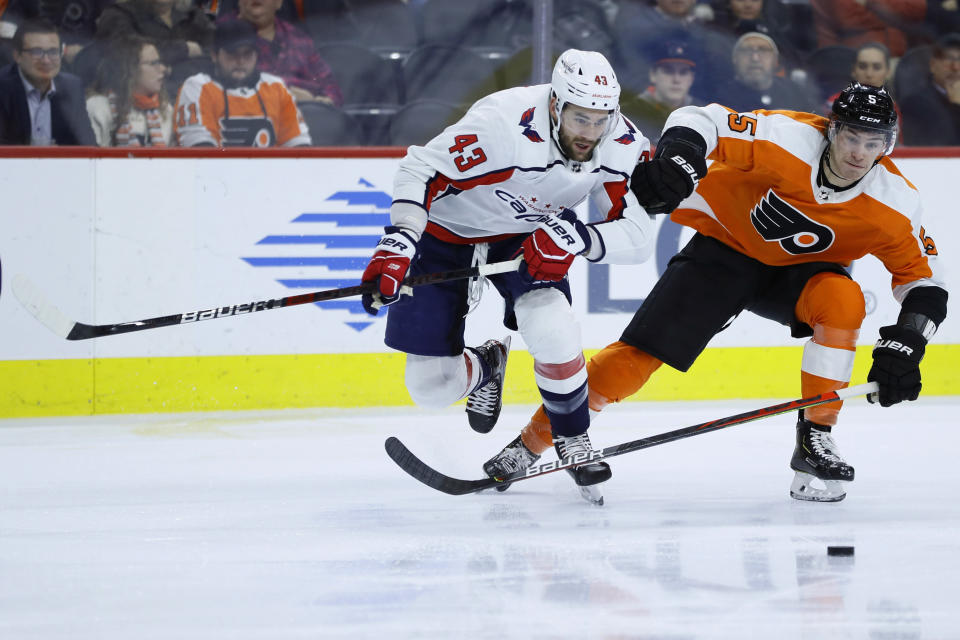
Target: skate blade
(804, 487)
(592, 494)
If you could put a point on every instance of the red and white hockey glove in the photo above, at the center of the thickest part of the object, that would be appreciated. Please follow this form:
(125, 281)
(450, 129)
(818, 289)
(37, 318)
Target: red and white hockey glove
(549, 251)
(388, 267)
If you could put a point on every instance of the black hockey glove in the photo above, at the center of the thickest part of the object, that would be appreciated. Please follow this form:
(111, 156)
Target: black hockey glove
(896, 365)
(660, 184)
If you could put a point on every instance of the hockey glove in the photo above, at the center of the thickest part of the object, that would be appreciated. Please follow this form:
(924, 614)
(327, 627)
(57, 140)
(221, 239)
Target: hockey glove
(896, 365)
(549, 251)
(660, 184)
(388, 267)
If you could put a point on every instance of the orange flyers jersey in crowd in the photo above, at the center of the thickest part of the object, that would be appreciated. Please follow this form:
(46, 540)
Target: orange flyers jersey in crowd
(760, 196)
(263, 116)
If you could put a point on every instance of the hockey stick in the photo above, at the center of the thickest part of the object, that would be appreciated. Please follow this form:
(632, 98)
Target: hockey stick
(30, 297)
(410, 463)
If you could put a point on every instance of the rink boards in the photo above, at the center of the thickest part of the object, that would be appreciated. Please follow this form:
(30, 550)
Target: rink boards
(121, 239)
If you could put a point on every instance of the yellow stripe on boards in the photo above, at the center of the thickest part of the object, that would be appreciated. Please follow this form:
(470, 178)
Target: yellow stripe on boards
(148, 385)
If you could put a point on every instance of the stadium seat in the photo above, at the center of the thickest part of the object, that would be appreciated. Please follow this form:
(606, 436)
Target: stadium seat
(86, 63)
(334, 24)
(363, 76)
(288, 10)
(444, 72)
(330, 126)
(912, 72)
(418, 122)
(480, 23)
(830, 69)
(370, 84)
(386, 26)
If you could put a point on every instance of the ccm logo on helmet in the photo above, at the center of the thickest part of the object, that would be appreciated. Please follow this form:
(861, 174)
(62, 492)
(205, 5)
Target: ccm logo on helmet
(894, 345)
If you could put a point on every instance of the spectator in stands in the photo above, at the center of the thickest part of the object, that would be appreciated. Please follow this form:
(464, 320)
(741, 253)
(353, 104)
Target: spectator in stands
(755, 84)
(943, 17)
(39, 105)
(734, 18)
(287, 51)
(855, 22)
(871, 66)
(638, 26)
(931, 116)
(76, 20)
(180, 34)
(239, 106)
(737, 17)
(128, 104)
(671, 78)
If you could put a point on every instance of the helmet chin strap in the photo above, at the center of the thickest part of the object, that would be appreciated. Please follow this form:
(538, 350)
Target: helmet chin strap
(827, 161)
(555, 127)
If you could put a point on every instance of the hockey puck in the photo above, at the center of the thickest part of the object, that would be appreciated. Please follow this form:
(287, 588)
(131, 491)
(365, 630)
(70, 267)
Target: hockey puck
(839, 551)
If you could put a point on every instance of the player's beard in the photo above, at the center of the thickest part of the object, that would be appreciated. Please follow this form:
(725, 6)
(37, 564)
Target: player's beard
(248, 81)
(569, 150)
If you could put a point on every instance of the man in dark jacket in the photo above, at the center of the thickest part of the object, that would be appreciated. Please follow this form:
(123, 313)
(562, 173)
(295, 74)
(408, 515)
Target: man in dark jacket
(931, 115)
(39, 105)
(755, 84)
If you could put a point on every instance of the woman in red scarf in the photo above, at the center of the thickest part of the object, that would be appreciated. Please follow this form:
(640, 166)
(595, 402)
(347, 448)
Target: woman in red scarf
(128, 105)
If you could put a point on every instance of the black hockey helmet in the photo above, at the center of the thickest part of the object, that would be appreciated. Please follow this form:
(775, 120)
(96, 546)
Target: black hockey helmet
(867, 108)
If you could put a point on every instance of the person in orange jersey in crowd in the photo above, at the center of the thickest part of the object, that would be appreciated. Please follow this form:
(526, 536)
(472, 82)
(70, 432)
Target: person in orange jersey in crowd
(238, 106)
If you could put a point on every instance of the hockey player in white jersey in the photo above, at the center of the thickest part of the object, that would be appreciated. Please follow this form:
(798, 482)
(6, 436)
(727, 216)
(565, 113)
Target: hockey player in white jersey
(499, 183)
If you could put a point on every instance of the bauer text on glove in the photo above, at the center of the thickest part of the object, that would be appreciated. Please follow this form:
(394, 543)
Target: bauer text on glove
(388, 267)
(896, 365)
(662, 183)
(549, 251)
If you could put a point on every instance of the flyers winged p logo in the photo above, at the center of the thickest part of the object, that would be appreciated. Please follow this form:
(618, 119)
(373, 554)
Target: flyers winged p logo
(777, 221)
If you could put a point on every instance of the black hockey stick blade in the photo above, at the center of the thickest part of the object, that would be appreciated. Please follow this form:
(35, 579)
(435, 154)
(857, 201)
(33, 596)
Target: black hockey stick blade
(429, 476)
(419, 470)
(50, 316)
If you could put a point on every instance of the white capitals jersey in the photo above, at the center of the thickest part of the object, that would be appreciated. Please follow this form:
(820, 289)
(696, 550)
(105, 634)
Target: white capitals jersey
(497, 173)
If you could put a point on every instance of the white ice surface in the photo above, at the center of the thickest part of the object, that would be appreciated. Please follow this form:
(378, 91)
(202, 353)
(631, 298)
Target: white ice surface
(295, 524)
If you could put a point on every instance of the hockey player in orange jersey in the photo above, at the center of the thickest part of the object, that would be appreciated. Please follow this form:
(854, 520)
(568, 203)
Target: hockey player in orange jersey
(790, 200)
(238, 106)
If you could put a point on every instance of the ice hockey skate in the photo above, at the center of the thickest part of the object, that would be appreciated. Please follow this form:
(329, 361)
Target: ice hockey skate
(817, 461)
(512, 458)
(483, 405)
(586, 476)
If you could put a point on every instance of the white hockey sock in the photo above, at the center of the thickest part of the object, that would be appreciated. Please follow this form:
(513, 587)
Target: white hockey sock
(439, 381)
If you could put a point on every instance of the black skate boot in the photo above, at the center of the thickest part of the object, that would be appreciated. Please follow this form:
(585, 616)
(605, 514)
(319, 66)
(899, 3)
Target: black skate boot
(816, 459)
(512, 458)
(483, 405)
(588, 475)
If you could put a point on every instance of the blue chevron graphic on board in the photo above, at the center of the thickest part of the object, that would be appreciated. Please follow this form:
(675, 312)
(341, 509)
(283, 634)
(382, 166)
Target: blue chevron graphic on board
(329, 248)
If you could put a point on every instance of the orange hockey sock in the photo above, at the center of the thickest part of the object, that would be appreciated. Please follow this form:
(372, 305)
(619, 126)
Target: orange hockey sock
(833, 305)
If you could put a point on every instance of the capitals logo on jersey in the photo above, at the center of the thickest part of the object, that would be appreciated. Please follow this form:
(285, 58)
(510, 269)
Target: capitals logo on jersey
(777, 221)
(628, 137)
(526, 121)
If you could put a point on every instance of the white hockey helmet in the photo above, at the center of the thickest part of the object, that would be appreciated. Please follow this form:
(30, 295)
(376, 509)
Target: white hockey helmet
(585, 79)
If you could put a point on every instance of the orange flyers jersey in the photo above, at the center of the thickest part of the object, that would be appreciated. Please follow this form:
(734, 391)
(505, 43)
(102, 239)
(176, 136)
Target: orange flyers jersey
(263, 116)
(760, 196)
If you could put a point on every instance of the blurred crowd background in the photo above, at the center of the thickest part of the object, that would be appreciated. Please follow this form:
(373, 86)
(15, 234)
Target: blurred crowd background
(395, 72)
